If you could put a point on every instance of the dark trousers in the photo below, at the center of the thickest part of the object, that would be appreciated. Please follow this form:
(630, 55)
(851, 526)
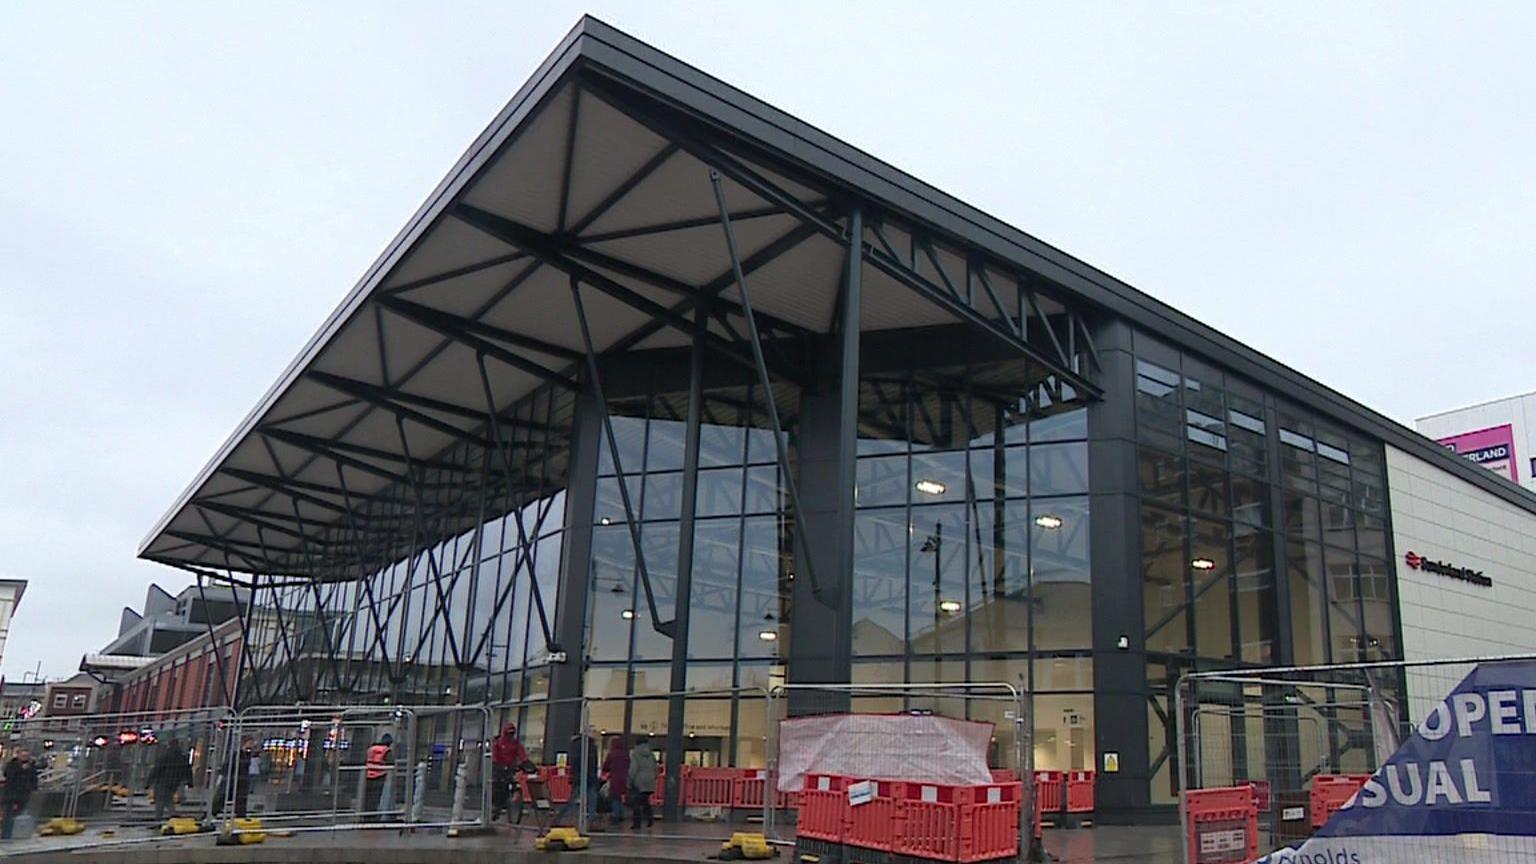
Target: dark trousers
(504, 790)
(640, 808)
(12, 810)
(242, 798)
(373, 791)
(165, 801)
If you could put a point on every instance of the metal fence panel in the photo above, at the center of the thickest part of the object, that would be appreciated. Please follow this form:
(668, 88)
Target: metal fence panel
(1304, 739)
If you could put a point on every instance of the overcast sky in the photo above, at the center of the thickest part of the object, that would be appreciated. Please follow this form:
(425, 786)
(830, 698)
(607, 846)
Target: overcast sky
(186, 190)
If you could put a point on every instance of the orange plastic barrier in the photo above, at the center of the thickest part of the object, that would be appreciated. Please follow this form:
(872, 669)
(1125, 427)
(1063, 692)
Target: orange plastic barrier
(750, 788)
(1004, 775)
(1222, 825)
(1330, 792)
(559, 780)
(962, 824)
(709, 787)
(876, 824)
(1080, 786)
(1050, 791)
(659, 795)
(824, 808)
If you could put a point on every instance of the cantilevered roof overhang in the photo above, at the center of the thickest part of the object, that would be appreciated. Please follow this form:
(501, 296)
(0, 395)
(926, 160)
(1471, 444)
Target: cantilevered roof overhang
(601, 173)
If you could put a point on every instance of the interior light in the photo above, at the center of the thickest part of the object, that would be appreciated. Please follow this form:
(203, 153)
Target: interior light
(768, 635)
(950, 606)
(1046, 520)
(1203, 564)
(605, 521)
(627, 614)
(930, 487)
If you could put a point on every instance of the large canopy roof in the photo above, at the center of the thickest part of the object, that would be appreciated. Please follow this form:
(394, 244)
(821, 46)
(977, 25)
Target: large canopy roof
(599, 170)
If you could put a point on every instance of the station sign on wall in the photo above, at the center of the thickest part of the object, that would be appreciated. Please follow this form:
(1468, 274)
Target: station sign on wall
(1492, 448)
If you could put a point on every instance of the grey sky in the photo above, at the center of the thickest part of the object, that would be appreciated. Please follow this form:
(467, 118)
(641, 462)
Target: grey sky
(186, 190)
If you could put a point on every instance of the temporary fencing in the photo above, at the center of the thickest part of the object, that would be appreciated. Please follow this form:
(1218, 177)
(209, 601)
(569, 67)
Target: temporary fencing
(124, 768)
(878, 800)
(308, 768)
(1267, 756)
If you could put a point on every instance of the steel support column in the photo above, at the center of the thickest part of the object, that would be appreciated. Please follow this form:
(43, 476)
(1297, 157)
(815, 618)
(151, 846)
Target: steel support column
(677, 705)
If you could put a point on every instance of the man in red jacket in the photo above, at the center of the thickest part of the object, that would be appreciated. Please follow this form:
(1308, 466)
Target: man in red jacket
(507, 756)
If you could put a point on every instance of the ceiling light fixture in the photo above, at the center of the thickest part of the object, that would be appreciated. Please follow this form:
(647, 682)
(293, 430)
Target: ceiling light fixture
(1046, 520)
(930, 487)
(627, 614)
(1203, 564)
(768, 635)
(949, 606)
(605, 521)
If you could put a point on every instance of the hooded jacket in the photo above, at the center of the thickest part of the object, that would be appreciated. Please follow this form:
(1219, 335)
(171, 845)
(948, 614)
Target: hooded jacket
(507, 751)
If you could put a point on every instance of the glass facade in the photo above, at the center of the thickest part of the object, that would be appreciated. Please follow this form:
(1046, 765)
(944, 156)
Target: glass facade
(1259, 538)
(971, 544)
(1263, 537)
(739, 604)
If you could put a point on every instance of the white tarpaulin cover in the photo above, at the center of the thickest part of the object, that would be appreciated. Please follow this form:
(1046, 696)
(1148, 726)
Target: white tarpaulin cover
(886, 746)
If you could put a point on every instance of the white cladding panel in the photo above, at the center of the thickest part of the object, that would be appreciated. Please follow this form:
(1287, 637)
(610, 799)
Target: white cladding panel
(1444, 518)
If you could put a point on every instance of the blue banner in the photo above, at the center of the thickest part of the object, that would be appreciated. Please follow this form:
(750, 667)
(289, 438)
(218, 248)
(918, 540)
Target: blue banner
(1464, 784)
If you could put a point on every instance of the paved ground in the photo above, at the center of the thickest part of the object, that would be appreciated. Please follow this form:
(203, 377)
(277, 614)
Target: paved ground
(693, 842)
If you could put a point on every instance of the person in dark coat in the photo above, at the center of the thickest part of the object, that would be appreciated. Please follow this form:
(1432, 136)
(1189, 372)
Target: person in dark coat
(171, 772)
(239, 780)
(20, 783)
(583, 763)
(616, 775)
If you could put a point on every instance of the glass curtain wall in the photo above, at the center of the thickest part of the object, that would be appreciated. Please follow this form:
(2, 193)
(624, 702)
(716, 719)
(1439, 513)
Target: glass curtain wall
(1244, 497)
(971, 545)
(454, 621)
(739, 613)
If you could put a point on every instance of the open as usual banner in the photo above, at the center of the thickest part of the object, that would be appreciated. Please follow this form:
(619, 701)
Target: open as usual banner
(1461, 789)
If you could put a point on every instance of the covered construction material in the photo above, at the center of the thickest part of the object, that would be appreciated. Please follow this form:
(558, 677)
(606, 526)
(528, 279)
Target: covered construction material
(923, 747)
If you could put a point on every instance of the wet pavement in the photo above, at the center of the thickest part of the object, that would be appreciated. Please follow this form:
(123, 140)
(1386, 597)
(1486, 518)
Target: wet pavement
(687, 842)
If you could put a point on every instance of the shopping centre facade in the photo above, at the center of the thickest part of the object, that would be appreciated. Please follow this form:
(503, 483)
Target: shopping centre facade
(663, 391)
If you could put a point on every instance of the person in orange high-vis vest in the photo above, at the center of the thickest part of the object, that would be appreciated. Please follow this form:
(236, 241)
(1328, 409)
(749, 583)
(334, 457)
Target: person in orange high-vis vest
(380, 760)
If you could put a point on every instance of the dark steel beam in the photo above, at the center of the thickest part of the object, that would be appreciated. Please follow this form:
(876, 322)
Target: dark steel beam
(480, 328)
(680, 225)
(466, 270)
(594, 380)
(460, 330)
(623, 189)
(556, 248)
(781, 447)
(390, 400)
(522, 537)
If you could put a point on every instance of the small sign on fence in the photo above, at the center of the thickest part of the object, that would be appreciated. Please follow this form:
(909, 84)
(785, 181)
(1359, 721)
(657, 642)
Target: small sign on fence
(861, 792)
(1222, 842)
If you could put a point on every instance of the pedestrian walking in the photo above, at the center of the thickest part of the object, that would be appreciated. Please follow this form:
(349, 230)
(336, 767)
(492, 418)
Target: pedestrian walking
(642, 784)
(583, 764)
(616, 779)
(240, 776)
(20, 783)
(171, 772)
